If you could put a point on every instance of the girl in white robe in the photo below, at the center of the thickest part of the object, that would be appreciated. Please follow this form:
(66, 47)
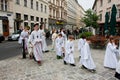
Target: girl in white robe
(37, 44)
(59, 44)
(69, 50)
(44, 44)
(110, 60)
(86, 58)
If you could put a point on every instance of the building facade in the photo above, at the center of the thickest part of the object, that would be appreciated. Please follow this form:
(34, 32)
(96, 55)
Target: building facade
(101, 7)
(74, 14)
(24, 13)
(57, 13)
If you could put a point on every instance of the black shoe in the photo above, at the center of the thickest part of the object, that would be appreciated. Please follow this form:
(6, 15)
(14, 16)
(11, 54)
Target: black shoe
(83, 67)
(65, 62)
(72, 64)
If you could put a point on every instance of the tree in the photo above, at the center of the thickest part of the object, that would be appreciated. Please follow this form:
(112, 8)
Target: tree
(90, 19)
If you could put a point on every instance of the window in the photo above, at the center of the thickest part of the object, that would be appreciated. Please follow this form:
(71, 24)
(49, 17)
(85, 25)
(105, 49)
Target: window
(101, 2)
(25, 3)
(31, 4)
(25, 17)
(41, 7)
(119, 13)
(4, 5)
(25, 24)
(100, 17)
(18, 16)
(37, 18)
(37, 5)
(32, 18)
(17, 1)
(109, 1)
(45, 9)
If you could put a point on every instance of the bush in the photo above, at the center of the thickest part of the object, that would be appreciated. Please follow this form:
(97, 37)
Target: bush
(86, 34)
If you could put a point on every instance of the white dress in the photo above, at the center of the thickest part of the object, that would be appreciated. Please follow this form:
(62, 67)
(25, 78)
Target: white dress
(69, 50)
(86, 58)
(37, 45)
(110, 59)
(24, 35)
(59, 44)
(81, 42)
(44, 45)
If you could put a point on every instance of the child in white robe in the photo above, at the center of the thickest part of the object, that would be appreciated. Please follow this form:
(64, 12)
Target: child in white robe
(110, 60)
(54, 36)
(81, 42)
(59, 44)
(69, 50)
(44, 44)
(36, 41)
(86, 58)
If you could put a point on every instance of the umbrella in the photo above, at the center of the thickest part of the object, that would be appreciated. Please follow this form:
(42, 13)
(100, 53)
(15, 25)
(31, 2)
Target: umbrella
(106, 23)
(113, 20)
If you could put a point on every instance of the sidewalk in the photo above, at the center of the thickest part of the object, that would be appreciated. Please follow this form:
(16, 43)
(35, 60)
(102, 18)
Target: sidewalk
(52, 69)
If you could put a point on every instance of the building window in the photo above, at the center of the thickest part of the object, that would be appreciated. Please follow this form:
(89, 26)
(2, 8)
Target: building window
(45, 9)
(100, 17)
(31, 4)
(101, 2)
(18, 16)
(25, 17)
(25, 3)
(17, 1)
(37, 6)
(4, 5)
(109, 1)
(37, 19)
(32, 26)
(32, 18)
(25, 24)
(119, 13)
(41, 7)
(41, 19)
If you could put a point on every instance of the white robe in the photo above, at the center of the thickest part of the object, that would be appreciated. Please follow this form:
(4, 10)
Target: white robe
(110, 59)
(24, 35)
(54, 36)
(30, 46)
(69, 50)
(59, 44)
(81, 42)
(86, 58)
(37, 45)
(44, 45)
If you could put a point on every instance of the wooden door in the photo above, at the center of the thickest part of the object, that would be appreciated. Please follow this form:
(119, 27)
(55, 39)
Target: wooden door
(5, 27)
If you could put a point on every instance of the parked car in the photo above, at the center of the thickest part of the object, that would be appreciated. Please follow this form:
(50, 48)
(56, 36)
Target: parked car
(14, 36)
(2, 38)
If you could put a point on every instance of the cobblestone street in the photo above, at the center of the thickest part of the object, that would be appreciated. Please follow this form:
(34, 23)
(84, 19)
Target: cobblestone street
(52, 69)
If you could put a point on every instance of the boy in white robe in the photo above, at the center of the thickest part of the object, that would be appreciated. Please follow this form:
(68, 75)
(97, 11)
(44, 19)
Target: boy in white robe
(44, 44)
(36, 41)
(86, 58)
(59, 44)
(81, 42)
(110, 60)
(24, 36)
(69, 50)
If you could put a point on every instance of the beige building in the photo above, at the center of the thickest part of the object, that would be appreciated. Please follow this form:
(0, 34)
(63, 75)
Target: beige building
(103, 6)
(74, 14)
(57, 13)
(23, 13)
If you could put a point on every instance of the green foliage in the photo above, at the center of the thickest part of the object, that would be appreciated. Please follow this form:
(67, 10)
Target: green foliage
(86, 34)
(90, 19)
